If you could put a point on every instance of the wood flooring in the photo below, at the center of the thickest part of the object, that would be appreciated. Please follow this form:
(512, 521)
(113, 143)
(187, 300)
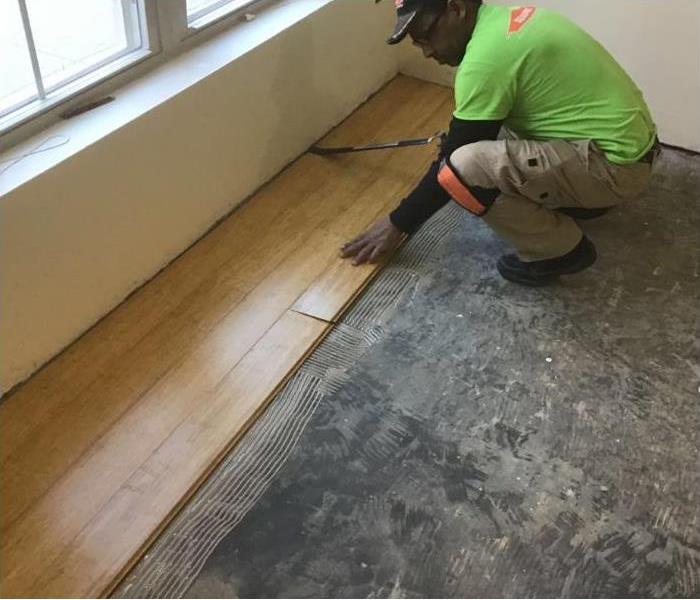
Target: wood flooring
(99, 449)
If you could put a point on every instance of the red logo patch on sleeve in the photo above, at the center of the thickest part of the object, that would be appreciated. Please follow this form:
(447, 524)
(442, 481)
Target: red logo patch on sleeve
(519, 17)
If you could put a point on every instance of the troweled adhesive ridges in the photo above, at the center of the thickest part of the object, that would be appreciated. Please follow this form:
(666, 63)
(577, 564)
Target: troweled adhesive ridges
(175, 559)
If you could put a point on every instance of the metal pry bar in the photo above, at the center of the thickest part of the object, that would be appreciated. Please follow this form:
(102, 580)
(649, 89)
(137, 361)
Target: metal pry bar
(380, 146)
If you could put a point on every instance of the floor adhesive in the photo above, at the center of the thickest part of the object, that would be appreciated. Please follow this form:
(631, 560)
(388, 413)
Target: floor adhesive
(176, 558)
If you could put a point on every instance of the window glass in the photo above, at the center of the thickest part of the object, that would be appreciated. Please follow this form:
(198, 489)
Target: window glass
(17, 84)
(73, 37)
(199, 8)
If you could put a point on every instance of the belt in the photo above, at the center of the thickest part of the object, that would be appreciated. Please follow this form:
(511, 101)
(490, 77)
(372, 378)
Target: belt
(652, 154)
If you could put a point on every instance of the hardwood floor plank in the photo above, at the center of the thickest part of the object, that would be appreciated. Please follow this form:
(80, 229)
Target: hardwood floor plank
(334, 290)
(171, 471)
(84, 489)
(337, 287)
(131, 377)
(38, 461)
(99, 447)
(262, 233)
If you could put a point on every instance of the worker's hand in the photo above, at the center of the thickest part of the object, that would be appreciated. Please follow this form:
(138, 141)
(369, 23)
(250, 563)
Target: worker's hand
(374, 243)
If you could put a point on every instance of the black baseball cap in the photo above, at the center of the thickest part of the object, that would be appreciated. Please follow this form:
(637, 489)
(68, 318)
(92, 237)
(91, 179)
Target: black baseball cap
(406, 12)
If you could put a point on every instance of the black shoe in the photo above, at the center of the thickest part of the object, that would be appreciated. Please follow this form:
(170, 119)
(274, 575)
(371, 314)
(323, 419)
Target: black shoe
(582, 214)
(542, 272)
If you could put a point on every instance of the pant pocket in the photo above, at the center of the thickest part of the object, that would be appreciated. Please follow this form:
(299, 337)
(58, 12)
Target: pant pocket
(557, 185)
(539, 189)
(577, 185)
(550, 171)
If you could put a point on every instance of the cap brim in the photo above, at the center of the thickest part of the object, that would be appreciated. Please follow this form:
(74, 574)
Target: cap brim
(401, 29)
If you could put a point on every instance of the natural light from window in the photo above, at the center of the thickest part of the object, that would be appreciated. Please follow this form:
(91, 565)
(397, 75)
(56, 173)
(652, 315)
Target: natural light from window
(194, 6)
(70, 38)
(55, 52)
(17, 84)
(199, 8)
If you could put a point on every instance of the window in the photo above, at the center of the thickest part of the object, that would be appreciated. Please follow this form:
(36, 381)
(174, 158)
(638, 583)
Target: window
(48, 47)
(197, 10)
(53, 50)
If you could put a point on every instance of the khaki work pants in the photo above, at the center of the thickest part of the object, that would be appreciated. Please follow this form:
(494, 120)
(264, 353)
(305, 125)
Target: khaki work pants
(535, 177)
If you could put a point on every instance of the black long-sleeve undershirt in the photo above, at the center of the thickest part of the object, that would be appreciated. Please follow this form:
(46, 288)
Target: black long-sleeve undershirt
(428, 196)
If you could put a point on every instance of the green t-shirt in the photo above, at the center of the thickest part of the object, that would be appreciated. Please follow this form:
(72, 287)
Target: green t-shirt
(548, 79)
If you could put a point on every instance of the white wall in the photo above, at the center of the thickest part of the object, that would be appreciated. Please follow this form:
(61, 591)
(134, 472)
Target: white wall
(656, 41)
(75, 241)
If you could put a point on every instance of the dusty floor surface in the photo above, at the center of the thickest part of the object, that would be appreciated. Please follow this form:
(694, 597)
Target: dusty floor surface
(504, 441)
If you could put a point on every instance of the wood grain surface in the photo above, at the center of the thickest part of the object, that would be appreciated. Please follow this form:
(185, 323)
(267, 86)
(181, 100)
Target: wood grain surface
(102, 446)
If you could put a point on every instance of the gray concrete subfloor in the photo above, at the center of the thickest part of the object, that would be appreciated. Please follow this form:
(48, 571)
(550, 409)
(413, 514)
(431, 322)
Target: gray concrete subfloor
(504, 441)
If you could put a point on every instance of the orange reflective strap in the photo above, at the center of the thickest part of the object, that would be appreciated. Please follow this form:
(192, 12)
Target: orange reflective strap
(460, 193)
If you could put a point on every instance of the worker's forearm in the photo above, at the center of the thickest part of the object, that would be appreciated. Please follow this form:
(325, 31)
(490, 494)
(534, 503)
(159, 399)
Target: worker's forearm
(428, 196)
(422, 203)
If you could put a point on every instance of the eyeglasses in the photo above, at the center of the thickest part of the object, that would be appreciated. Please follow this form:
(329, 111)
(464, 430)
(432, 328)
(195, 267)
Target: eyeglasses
(424, 38)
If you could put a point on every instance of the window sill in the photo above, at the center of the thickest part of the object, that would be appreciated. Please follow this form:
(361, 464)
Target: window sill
(34, 109)
(144, 94)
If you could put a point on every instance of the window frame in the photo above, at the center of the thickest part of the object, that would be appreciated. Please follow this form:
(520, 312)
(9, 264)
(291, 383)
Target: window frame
(221, 9)
(166, 32)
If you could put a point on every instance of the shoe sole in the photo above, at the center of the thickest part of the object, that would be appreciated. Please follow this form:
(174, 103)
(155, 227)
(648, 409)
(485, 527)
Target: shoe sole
(515, 276)
(584, 216)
